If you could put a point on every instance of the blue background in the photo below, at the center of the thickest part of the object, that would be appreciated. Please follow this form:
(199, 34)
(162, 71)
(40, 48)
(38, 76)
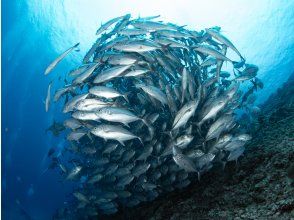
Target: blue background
(34, 32)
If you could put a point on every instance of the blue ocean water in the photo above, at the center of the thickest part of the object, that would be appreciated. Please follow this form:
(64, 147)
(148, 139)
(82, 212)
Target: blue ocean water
(35, 32)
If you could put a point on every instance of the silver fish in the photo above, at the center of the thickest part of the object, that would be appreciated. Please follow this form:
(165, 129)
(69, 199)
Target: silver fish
(48, 98)
(72, 123)
(113, 132)
(183, 141)
(85, 75)
(154, 92)
(110, 73)
(136, 46)
(184, 114)
(114, 114)
(58, 59)
(74, 172)
(70, 105)
(59, 93)
(106, 25)
(106, 92)
(90, 105)
(211, 51)
(85, 116)
(218, 36)
(184, 162)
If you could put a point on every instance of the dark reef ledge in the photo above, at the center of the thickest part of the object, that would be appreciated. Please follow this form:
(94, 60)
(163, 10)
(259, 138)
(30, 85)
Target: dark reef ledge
(260, 187)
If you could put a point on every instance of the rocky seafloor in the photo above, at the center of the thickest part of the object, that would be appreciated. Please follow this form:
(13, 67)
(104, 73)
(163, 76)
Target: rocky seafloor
(260, 186)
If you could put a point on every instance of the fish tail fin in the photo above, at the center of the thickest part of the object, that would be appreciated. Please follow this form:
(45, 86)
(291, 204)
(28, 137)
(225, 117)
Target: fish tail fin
(140, 139)
(198, 125)
(169, 133)
(121, 142)
(164, 46)
(76, 45)
(125, 96)
(148, 125)
(127, 125)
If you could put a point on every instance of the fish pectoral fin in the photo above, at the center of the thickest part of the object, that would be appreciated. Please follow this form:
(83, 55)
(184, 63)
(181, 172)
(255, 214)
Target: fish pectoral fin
(89, 136)
(140, 140)
(121, 142)
(127, 125)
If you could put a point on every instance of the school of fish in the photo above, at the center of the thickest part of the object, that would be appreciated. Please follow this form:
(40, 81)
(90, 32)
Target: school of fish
(149, 110)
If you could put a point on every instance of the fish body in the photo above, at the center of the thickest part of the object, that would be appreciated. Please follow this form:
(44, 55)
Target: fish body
(59, 93)
(183, 141)
(136, 46)
(113, 132)
(184, 114)
(212, 52)
(184, 162)
(106, 25)
(85, 75)
(48, 98)
(74, 172)
(70, 105)
(72, 123)
(85, 116)
(90, 104)
(219, 126)
(218, 36)
(106, 92)
(59, 58)
(155, 93)
(110, 74)
(114, 114)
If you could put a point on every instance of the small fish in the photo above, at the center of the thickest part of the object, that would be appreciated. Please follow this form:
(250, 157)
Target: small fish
(48, 97)
(114, 114)
(85, 75)
(184, 114)
(105, 26)
(110, 73)
(184, 83)
(90, 104)
(72, 123)
(136, 46)
(56, 128)
(218, 36)
(210, 51)
(154, 92)
(113, 132)
(136, 72)
(76, 135)
(184, 162)
(59, 93)
(74, 172)
(81, 197)
(183, 141)
(85, 116)
(58, 59)
(106, 92)
(70, 105)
